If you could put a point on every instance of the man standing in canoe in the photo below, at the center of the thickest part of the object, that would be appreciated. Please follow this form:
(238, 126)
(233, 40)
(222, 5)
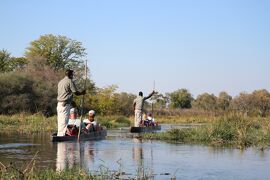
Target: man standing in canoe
(138, 107)
(66, 88)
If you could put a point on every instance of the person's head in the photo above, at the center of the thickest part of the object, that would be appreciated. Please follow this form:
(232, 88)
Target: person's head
(92, 114)
(69, 73)
(140, 93)
(149, 114)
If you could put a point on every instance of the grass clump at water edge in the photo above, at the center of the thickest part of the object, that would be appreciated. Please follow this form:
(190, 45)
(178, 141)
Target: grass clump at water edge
(234, 131)
(27, 123)
(30, 172)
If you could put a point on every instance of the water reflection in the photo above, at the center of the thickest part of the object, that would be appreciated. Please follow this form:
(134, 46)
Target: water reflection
(87, 155)
(143, 156)
(71, 154)
(138, 157)
(137, 151)
(67, 155)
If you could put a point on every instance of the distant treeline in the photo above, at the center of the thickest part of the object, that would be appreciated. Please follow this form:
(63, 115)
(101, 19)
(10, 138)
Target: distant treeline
(29, 84)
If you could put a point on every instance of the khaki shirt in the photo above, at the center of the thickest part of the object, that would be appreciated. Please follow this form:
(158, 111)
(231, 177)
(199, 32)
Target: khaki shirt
(66, 88)
(139, 101)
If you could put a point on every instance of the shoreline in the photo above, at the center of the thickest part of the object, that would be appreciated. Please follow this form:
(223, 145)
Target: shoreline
(231, 130)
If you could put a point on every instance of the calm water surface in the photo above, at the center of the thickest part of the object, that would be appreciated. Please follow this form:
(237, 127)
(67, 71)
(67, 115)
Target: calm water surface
(133, 156)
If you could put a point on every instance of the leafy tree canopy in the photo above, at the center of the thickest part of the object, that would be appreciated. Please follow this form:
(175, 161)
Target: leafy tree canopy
(181, 99)
(60, 52)
(8, 63)
(206, 101)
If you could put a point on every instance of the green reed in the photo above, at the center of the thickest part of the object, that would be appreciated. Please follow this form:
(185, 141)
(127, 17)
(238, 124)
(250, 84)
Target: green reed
(233, 130)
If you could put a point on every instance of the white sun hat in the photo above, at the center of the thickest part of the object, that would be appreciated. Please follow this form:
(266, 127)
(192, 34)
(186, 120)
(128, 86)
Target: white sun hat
(92, 112)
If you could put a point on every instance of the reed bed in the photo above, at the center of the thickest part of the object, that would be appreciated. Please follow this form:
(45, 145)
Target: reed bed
(233, 130)
(37, 123)
(26, 123)
(31, 172)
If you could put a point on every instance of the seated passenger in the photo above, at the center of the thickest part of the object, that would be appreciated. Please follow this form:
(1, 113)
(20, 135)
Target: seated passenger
(90, 123)
(150, 119)
(144, 120)
(73, 123)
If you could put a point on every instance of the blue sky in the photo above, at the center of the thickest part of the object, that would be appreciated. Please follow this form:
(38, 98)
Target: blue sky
(202, 45)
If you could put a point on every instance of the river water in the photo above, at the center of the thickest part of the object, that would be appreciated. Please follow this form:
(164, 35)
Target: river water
(119, 152)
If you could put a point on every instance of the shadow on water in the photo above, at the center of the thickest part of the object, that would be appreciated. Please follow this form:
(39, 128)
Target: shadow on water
(135, 157)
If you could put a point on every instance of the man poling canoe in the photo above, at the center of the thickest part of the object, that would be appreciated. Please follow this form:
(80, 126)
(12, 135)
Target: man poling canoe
(66, 89)
(138, 107)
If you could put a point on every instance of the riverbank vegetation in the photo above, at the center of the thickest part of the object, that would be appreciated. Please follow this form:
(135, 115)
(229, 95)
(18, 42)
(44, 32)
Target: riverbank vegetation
(74, 173)
(30, 171)
(37, 123)
(26, 123)
(234, 130)
(29, 85)
(29, 92)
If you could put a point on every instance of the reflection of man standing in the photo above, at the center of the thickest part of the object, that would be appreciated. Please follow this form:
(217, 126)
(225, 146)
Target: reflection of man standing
(68, 155)
(137, 154)
(138, 107)
(66, 88)
(137, 151)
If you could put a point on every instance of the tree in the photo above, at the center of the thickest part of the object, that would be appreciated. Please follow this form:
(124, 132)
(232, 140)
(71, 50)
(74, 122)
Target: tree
(159, 101)
(181, 99)
(124, 103)
(17, 94)
(206, 101)
(243, 102)
(8, 63)
(4, 59)
(105, 100)
(224, 100)
(59, 52)
(261, 101)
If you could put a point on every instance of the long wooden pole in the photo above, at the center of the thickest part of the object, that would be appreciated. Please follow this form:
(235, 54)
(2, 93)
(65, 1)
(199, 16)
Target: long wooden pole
(152, 100)
(82, 102)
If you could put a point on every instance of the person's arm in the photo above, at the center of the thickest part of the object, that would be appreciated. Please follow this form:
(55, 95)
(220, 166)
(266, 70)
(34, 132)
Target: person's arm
(134, 105)
(73, 88)
(78, 93)
(150, 95)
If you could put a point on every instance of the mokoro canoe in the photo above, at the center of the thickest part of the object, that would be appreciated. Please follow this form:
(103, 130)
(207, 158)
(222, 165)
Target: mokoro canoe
(95, 135)
(145, 129)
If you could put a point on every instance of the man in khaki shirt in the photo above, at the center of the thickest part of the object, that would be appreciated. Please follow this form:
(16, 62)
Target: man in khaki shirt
(138, 107)
(66, 89)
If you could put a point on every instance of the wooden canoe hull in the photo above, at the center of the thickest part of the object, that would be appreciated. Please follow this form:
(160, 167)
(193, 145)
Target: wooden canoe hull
(145, 129)
(95, 135)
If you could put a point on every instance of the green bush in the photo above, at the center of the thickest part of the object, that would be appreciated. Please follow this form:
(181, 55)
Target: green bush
(16, 93)
(123, 120)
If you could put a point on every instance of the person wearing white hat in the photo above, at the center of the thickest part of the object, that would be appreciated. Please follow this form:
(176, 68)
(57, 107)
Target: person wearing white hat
(91, 123)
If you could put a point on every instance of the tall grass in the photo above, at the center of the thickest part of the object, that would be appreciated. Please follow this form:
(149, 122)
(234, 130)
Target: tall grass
(233, 130)
(189, 116)
(27, 123)
(114, 121)
(30, 172)
(74, 173)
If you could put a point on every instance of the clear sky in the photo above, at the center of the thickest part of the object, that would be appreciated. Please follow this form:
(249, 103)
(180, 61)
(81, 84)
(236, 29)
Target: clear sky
(202, 45)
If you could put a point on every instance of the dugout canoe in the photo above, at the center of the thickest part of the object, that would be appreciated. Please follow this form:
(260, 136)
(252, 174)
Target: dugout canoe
(145, 129)
(95, 135)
